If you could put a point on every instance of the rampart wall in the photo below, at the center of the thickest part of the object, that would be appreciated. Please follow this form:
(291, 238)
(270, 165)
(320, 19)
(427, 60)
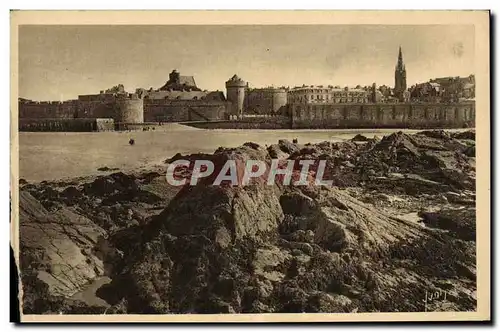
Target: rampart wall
(182, 110)
(48, 110)
(265, 101)
(427, 115)
(66, 125)
(96, 109)
(415, 115)
(270, 122)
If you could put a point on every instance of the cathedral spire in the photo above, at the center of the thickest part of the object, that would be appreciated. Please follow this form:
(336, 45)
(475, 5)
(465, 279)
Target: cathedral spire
(400, 59)
(400, 76)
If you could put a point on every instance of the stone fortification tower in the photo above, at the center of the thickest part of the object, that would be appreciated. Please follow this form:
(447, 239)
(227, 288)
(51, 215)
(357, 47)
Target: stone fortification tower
(279, 99)
(130, 109)
(236, 88)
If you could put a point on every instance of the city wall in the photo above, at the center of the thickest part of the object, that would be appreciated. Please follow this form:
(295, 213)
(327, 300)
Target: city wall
(96, 109)
(415, 115)
(427, 115)
(66, 125)
(265, 122)
(67, 110)
(265, 101)
(183, 111)
(127, 110)
(48, 110)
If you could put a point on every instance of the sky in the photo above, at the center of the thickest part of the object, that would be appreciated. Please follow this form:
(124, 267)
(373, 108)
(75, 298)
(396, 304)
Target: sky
(62, 62)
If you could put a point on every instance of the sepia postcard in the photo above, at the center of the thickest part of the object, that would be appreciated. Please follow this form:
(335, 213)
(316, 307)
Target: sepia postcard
(251, 166)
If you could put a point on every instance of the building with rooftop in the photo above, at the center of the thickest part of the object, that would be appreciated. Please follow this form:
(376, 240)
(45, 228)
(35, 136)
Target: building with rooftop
(327, 95)
(176, 82)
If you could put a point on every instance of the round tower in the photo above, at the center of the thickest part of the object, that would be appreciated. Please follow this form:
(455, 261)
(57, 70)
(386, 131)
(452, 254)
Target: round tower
(236, 94)
(130, 110)
(279, 99)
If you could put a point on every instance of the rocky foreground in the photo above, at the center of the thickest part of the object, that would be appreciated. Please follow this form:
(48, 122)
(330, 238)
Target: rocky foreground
(397, 227)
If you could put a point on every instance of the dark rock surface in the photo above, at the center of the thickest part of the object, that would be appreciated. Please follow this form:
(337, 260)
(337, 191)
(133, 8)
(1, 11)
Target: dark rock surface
(260, 248)
(359, 138)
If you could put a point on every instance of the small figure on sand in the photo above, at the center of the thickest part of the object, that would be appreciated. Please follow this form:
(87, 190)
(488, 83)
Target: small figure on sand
(131, 141)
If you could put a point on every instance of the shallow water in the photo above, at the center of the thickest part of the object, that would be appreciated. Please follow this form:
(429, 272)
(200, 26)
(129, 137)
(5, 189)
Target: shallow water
(51, 156)
(88, 293)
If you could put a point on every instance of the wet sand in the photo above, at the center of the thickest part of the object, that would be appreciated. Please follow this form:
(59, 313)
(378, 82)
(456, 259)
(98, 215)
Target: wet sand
(54, 156)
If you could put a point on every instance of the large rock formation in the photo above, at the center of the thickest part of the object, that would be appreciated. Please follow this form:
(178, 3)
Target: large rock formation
(275, 248)
(57, 252)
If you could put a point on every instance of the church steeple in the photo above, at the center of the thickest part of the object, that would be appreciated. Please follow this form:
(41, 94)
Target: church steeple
(400, 77)
(400, 60)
